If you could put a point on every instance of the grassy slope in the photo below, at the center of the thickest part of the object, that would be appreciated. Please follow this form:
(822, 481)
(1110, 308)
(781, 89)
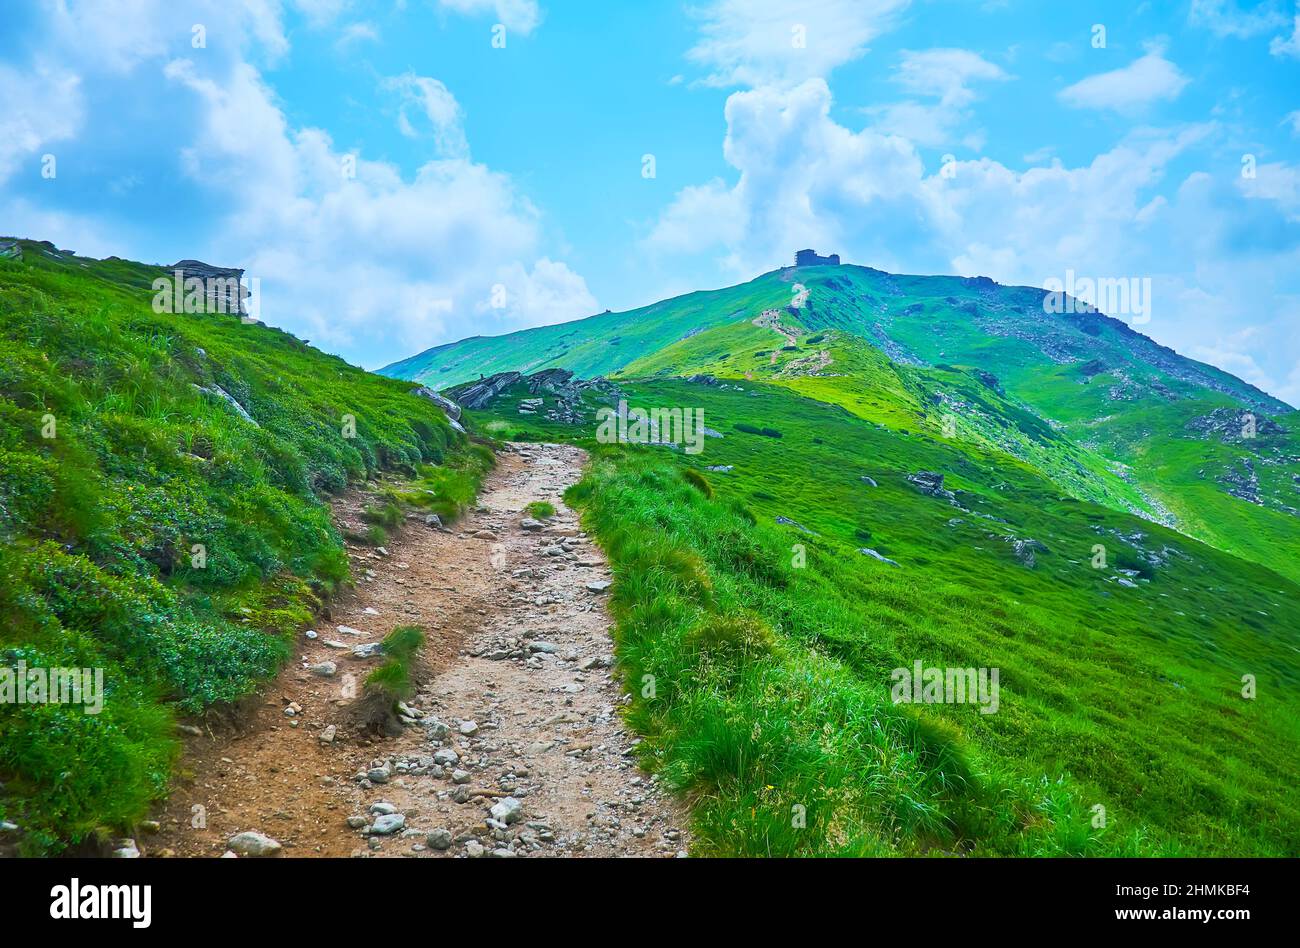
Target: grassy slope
(863, 380)
(1117, 436)
(938, 320)
(97, 524)
(594, 346)
(772, 681)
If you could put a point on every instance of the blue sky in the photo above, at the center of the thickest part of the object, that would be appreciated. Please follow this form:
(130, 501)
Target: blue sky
(1003, 138)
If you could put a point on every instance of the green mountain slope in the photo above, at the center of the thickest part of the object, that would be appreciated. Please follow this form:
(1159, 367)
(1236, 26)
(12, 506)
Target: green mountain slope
(743, 592)
(936, 470)
(594, 346)
(162, 518)
(1102, 410)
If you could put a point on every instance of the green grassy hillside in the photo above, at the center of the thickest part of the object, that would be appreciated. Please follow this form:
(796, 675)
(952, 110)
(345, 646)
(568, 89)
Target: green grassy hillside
(149, 529)
(770, 646)
(594, 346)
(1103, 411)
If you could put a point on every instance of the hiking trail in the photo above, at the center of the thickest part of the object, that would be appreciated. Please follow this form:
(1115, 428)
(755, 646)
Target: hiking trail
(517, 706)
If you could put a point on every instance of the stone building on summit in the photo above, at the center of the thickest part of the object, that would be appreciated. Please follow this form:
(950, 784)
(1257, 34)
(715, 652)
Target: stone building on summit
(809, 258)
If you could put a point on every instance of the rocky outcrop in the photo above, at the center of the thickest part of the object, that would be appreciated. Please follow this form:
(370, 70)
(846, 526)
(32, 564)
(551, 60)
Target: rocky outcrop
(989, 380)
(1026, 550)
(451, 409)
(867, 551)
(553, 381)
(1234, 424)
(931, 484)
(216, 391)
(787, 522)
(482, 393)
(560, 385)
(11, 249)
(224, 286)
(1242, 483)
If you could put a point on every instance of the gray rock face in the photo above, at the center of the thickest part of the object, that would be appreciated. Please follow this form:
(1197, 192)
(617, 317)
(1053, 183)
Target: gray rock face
(1233, 424)
(866, 551)
(787, 522)
(559, 383)
(369, 650)
(224, 288)
(324, 669)
(216, 391)
(482, 393)
(870, 481)
(1241, 481)
(931, 484)
(450, 408)
(989, 380)
(254, 844)
(1025, 550)
(552, 381)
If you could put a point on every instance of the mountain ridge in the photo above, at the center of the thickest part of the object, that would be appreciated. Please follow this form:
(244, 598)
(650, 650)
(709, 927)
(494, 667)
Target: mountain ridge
(1104, 410)
(415, 367)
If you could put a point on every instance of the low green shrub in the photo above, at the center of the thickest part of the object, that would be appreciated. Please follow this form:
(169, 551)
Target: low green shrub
(540, 510)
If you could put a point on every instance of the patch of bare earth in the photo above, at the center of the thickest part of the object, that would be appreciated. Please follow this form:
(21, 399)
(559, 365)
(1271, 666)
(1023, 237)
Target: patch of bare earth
(517, 708)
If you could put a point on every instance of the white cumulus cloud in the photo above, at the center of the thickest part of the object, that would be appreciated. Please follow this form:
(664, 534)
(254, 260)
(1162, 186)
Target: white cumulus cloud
(755, 42)
(947, 77)
(439, 108)
(519, 16)
(1129, 89)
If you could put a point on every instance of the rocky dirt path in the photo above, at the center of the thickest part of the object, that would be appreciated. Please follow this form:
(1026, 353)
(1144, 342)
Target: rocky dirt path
(513, 745)
(771, 319)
